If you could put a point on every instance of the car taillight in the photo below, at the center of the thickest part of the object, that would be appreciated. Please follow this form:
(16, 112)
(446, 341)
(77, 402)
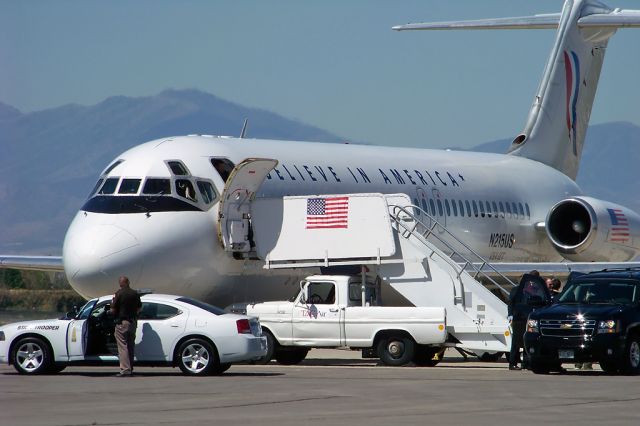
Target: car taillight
(243, 326)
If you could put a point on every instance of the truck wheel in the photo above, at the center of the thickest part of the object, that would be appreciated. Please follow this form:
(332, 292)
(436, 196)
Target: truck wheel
(396, 350)
(539, 367)
(196, 357)
(631, 358)
(427, 356)
(31, 355)
(291, 356)
(609, 367)
(271, 347)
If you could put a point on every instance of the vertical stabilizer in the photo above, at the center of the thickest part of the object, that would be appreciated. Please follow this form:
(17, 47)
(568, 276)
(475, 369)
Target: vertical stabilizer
(557, 124)
(559, 117)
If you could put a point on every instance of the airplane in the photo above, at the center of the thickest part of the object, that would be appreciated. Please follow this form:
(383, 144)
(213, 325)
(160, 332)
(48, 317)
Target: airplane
(157, 213)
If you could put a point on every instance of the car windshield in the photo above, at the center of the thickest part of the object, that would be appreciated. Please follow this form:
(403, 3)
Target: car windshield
(601, 292)
(207, 307)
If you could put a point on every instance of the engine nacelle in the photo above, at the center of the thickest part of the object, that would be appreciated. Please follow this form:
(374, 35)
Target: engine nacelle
(585, 229)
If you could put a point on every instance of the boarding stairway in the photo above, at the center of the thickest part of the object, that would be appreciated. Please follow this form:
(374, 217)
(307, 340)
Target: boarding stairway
(384, 233)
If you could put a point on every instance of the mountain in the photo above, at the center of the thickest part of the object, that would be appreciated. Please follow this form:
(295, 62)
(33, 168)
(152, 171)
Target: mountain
(50, 159)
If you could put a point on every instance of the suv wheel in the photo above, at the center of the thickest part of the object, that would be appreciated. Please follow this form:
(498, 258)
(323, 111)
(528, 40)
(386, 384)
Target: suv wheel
(631, 358)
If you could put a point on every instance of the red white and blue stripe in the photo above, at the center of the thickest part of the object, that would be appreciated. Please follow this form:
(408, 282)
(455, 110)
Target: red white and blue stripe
(619, 226)
(572, 74)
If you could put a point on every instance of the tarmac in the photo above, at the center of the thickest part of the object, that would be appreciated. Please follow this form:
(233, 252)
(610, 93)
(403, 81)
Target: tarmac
(329, 387)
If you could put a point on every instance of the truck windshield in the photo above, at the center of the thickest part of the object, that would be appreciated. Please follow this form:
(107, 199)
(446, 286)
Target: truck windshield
(601, 292)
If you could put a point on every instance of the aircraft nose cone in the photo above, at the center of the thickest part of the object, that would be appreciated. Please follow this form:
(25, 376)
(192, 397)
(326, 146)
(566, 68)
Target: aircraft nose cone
(95, 256)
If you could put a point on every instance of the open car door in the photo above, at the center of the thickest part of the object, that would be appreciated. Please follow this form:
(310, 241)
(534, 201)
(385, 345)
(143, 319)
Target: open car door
(234, 225)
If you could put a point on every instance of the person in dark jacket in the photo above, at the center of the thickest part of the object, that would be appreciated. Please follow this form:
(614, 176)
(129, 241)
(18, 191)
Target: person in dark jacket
(125, 307)
(531, 292)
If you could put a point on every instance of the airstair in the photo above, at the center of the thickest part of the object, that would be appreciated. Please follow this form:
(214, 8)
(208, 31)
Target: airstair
(422, 261)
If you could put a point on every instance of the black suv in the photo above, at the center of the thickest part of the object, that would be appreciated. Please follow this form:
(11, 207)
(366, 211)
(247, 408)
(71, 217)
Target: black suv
(596, 319)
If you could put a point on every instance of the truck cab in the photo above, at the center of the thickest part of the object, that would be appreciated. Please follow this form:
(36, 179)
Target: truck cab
(596, 319)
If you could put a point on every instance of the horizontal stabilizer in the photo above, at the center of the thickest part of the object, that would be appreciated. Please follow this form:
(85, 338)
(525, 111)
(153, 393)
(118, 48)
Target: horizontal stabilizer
(617, 18)
(524, 22)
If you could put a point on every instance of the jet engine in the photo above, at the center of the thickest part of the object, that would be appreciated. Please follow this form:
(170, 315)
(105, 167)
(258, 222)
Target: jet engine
(585, 229)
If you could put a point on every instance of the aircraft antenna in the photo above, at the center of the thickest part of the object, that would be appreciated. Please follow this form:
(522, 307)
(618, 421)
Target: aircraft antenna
(244, 128)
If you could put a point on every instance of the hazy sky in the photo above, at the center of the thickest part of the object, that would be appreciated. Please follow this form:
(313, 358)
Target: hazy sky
(334, 64)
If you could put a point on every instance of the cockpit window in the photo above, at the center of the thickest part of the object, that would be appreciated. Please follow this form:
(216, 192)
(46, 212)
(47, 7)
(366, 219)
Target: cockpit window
(157, 187)
(207, 191)
(223, 166)
(112, 166)
(109, 186)
(177, 168)
(129, 186)
(95, 188)
(184, 188)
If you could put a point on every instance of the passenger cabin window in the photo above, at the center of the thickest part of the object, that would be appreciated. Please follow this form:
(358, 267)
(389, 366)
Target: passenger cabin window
(129, 186)
(109, 186)
(433, 207)
(481, 204)
(154, 186)
(508, 206)
(184, 188)
(454, 206)
(468, 208)
(321, 293)
(489, 209)
(207, 191)
(447, 208)
(177, 168)
(223, 166)
(495, 208)
(157, 311)
(521, 210)
(112, 166)
(501, 209)
(526, 209)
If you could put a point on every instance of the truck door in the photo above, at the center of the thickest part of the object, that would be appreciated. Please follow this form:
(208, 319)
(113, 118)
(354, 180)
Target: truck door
(316, 316)
(234, 226)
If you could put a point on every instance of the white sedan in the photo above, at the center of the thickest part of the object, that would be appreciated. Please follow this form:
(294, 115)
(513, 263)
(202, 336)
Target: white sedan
(178, 331)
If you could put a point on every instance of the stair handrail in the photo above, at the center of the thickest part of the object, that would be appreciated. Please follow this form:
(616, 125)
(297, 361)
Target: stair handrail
(423, 236)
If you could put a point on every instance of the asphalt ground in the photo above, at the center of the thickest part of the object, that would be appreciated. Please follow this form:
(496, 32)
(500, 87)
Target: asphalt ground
(330, 387)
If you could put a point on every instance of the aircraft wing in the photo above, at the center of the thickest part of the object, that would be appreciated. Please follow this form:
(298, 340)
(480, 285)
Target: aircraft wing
(32, 263)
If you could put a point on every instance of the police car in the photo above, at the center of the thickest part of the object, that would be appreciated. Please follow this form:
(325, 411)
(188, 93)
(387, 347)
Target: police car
(199, 338)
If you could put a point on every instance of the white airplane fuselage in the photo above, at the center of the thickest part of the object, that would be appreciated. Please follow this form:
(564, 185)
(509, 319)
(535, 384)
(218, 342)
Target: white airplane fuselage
(178, 250)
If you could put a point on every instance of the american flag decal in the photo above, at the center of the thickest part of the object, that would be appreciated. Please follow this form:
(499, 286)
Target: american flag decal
(327, 213)
(619, 226)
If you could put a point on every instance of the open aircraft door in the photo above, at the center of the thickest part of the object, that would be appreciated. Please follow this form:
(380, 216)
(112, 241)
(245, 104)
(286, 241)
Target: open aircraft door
(234, 226)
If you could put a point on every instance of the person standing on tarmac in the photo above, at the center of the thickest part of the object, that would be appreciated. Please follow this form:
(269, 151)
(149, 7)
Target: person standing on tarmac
(518, 311)
(125, 307)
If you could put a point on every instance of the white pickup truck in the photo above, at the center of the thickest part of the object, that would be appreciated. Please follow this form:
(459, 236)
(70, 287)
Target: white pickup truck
(329, 311)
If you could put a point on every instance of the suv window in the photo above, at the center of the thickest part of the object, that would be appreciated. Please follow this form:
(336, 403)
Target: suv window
(601, 291)
(157, 311)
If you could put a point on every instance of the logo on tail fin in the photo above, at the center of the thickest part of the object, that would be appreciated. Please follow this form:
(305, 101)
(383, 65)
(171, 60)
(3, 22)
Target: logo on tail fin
(572, 73)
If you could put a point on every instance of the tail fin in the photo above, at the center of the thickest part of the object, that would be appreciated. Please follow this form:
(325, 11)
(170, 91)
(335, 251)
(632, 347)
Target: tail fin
(557, 124)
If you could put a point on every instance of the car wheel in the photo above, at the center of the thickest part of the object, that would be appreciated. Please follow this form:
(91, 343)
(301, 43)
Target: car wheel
(631, 357)
(31, 355)
(271, 346)
(290, 356)
(539, 367)
(396, 350)
(609, 367)
(221, 368)
(196, 357)
(427, 356)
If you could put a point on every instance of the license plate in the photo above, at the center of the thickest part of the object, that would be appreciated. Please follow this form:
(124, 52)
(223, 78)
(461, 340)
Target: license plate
(565, 354)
